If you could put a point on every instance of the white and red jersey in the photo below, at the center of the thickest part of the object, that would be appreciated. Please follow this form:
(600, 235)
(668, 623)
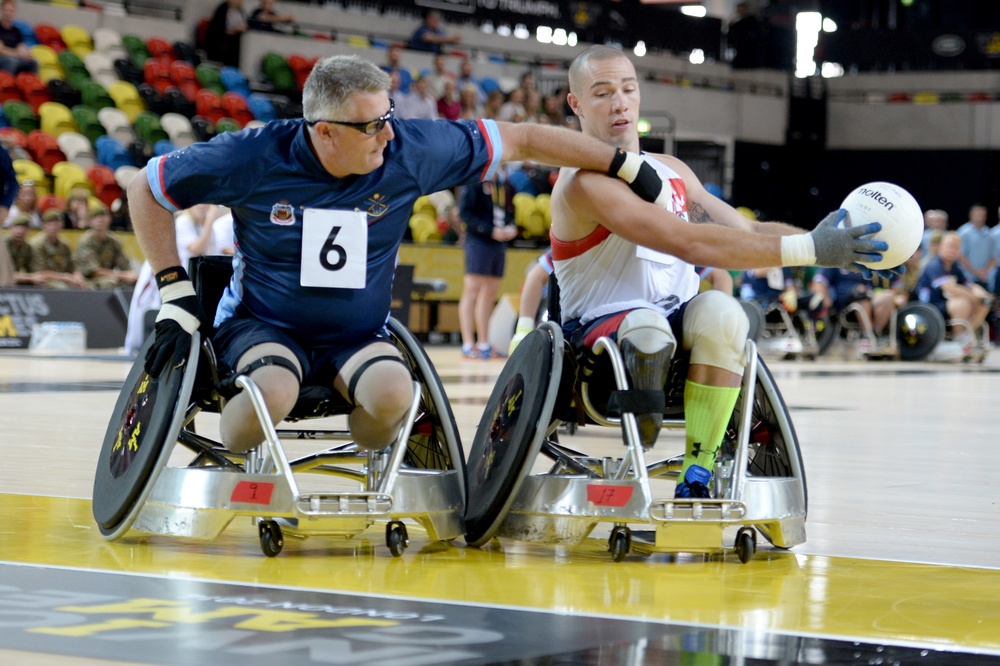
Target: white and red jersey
(603, 273)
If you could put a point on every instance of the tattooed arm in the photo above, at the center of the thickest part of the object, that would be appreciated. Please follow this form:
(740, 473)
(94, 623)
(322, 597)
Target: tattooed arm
(704, 208)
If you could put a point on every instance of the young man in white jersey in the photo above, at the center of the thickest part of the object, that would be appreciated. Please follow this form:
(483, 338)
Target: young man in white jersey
(626, 267)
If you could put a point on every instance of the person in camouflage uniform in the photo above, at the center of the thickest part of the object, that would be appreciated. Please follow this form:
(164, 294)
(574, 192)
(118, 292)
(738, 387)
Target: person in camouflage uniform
(54, 257)
(21, 253)
(100, 257)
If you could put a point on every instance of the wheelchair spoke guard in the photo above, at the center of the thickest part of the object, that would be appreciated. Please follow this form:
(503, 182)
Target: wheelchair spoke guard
(144, 426)
(434, 440)
(510, 433)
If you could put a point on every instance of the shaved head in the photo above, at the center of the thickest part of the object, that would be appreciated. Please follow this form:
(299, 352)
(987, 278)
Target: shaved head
(578, 68)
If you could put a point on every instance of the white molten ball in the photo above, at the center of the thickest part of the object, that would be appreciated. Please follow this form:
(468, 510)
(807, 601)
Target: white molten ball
(896, 210)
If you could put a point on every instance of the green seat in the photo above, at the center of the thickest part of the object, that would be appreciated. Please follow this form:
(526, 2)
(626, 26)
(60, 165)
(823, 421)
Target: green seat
(136, 47)
(78, 79)
(226, 125)
(148, 128)
(20, 115)
(95, 96)
(71, 62)
(208, 75)
(86, 119)
(277, 70)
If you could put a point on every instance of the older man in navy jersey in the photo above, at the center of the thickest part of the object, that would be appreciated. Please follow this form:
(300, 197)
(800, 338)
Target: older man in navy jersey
(320, 206)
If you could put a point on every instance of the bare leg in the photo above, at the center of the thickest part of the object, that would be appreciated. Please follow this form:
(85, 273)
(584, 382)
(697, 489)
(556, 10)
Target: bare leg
(471, 286)
(485, 302)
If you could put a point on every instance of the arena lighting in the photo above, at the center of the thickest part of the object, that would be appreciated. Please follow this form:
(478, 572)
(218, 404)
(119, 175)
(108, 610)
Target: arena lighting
(559, 37)
(694, 10)
(829, 25)
(697, 57)
(521, 31)
(640, 48)
(807, 27)
(544, 34)
(643, 126)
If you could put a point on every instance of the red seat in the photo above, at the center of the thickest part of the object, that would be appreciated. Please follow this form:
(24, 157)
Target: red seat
(190, 89)
(48, 35)
(106, 187)
(236, 108)
(48, 202)
(208, 103)
(156, 72)
(8, 87)
(182, 72)
(34, 91)
(160, 48)
(44, 149)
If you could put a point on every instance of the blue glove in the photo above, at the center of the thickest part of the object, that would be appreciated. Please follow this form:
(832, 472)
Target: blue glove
(886, 273)
(180, 315)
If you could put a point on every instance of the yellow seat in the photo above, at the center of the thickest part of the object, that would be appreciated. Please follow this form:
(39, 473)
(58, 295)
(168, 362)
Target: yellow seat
(126, 98)
(542, 204)
(926, 97)
(67, 176)
(45, 55)
(358, 41)
(535, 225)
(76, 39)
(31, 171)
(423, 206)
(55, 118)
(524, 204)
(424, 228)
(48, 72)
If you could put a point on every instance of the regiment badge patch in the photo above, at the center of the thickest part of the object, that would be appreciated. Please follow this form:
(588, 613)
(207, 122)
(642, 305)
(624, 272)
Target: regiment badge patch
(283, 214)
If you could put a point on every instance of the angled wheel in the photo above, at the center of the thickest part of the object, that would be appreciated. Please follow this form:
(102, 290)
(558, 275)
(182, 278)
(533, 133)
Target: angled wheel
(137, 444)
(511, 430)
(434, 440)
(773, 445)
(920, 328)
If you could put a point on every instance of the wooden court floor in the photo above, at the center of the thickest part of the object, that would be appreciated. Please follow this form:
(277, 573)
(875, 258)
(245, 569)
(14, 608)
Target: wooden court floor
(901, 564)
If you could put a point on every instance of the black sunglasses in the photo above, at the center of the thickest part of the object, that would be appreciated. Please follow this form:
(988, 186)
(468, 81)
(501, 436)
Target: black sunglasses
(370, 128)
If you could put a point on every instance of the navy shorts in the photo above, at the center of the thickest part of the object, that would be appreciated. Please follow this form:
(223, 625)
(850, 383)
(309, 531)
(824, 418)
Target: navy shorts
(484, 257)
(320, 365)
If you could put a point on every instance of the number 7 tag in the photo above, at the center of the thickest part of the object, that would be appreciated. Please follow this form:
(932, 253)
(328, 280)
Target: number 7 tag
(334, 249)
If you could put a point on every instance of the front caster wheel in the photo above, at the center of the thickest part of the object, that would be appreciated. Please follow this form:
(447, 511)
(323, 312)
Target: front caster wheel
(271, 539)
(746, 544)
(396, 538)
(620, 543)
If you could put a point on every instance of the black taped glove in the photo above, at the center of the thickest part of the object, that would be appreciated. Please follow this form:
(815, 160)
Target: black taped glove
(180, 315)
(641, 176)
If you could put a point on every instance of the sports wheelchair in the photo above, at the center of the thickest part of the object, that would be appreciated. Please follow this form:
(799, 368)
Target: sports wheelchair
(785, 334)
(759, 480)
(420, 477)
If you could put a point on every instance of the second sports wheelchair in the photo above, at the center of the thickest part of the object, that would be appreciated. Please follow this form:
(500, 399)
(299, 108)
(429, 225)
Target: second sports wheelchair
(759, 480)
(140, 488)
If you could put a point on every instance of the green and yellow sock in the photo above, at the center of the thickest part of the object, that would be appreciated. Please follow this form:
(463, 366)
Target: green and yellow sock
(706, 413)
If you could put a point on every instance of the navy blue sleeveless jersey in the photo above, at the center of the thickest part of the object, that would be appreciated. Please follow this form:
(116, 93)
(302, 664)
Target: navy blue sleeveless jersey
(271, 179)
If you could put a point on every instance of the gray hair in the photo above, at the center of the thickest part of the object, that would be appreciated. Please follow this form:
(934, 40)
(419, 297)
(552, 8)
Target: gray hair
(332, 82)
(580, 62)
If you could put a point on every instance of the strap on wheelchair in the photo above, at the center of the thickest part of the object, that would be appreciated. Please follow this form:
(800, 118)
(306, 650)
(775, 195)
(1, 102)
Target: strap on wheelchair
(227, 387)
(636, 401)
(364, 366)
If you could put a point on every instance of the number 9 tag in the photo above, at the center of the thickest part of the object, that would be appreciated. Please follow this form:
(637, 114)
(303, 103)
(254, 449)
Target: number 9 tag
(334, 249)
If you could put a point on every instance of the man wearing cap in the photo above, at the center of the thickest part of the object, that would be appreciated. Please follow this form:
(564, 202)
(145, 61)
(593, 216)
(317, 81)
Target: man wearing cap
(99, 256)
(54, 256)
(21, 253)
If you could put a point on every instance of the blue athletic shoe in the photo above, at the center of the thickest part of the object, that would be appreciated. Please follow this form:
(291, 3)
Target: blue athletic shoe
(695, 483)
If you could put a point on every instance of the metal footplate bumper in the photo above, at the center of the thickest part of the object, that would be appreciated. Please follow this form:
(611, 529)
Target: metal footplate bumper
(564, 509)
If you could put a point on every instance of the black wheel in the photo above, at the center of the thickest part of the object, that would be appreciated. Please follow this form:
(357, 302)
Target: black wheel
(827, 332)
(139, 440)
(919, 329)
(620, 543)
(434, 440)
(396, 538)
(746, 544)
(271, 539)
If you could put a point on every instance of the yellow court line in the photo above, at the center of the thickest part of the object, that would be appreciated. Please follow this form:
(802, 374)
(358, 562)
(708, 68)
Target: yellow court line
(891, 602)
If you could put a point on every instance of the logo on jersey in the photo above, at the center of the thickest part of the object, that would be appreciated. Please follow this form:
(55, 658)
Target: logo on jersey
(377, 205)
(679, 197)
(283, 214)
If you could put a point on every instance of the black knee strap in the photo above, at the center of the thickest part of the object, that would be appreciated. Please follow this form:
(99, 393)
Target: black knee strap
(364, 366)
(228, 385)
(636, 401)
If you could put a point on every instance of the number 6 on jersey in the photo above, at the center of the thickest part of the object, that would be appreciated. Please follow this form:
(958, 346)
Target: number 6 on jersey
(334, 248)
